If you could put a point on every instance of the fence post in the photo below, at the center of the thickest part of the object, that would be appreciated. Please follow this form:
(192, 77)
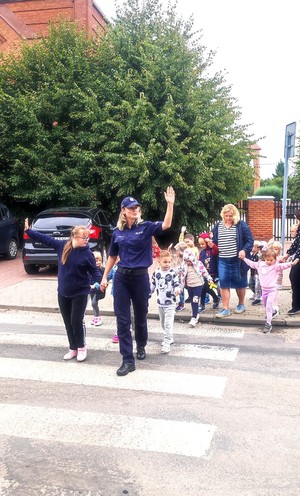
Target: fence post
(261, 217)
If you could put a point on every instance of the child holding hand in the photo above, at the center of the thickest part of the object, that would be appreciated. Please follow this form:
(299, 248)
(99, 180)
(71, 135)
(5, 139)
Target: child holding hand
(95, 292)
(268, 269)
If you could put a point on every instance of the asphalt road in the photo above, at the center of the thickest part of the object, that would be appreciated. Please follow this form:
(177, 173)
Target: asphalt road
(218, 416)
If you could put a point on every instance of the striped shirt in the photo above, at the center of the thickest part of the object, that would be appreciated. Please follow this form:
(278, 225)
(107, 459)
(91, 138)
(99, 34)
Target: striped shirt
(227, 241)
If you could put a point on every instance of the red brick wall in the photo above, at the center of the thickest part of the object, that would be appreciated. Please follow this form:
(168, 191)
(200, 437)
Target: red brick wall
(30, 19)
(260, 217)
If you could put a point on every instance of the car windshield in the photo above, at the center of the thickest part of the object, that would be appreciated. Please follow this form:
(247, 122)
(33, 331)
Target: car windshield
(60, 222)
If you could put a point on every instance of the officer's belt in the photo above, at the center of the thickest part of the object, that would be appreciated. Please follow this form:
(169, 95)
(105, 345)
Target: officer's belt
(132, 272)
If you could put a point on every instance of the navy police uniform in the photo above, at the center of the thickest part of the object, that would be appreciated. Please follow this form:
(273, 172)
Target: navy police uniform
(131, 283)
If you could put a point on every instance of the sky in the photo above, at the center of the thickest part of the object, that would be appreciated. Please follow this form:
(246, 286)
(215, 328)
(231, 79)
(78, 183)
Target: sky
(256, 45)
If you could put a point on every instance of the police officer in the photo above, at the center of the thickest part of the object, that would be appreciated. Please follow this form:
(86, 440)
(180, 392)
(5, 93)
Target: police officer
(132, 242)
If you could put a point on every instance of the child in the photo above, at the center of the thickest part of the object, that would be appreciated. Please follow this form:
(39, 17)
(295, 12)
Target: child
(179, 249)
(110, 277)
(166, 283)
(208, 256)
(155, 248)
(254, 283)
(189, 240)
(268, 270)
(95, 292)
(193, 273)
(155, 254)
(277, 247)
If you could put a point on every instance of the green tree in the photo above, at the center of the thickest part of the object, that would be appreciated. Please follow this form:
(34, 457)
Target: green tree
(135, 111)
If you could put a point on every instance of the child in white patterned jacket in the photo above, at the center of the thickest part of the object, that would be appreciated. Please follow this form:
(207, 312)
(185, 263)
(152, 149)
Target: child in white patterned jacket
(165, 281)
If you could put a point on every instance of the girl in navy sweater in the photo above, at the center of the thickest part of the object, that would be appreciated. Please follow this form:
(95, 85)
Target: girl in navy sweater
(76, 266)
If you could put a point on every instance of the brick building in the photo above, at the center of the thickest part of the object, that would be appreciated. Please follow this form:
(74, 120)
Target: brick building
(29, 19)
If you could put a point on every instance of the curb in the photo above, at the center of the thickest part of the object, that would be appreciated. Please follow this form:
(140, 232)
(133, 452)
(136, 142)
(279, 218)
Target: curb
(246, 320)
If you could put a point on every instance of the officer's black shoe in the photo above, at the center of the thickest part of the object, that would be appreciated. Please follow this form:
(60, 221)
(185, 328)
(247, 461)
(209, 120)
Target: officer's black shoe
(141, 353)
(126, 368)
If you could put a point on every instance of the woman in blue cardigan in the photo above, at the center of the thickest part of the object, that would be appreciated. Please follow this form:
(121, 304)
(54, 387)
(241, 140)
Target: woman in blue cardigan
(233, 238)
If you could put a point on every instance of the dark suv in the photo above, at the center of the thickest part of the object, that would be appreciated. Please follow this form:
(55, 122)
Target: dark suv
(9, 233)
(58, 222)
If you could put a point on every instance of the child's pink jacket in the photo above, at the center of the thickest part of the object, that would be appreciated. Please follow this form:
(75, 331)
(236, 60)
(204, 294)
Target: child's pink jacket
(268, 274)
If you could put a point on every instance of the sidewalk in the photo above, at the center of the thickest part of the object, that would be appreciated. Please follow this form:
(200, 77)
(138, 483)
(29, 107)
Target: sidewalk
(38, 292)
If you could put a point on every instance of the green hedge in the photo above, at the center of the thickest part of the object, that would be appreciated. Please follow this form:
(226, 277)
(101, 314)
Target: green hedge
(269, 191)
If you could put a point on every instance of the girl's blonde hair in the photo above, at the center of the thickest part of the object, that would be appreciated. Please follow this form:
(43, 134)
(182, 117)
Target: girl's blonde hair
(122, 222)
(97, 254)
(276, 244)
(231, 208)
(75, 231)
(269, 252)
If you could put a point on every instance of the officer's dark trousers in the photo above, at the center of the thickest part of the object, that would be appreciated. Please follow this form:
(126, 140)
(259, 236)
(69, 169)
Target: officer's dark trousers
(127, 288)
(72, 311)
(295, 283)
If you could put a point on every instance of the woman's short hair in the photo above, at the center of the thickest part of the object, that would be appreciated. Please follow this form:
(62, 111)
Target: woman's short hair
(231, 208)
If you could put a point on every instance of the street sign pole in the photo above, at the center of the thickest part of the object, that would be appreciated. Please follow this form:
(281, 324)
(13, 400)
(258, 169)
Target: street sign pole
(289, 151)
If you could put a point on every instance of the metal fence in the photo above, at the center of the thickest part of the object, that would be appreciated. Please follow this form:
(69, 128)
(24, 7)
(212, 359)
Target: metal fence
(290, 218)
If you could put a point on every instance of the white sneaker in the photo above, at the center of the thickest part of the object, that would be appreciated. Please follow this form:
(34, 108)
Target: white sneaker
(193, 322)
(97, 321)
(165, 348)
(171, 342)
(81, 354)
(71, 354)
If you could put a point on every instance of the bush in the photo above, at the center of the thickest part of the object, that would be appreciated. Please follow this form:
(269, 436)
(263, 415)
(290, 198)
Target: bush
(269, 191)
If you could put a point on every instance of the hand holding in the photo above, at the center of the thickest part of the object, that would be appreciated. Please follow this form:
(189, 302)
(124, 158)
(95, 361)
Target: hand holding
(242, 254)
(295, 261)
(103, 284)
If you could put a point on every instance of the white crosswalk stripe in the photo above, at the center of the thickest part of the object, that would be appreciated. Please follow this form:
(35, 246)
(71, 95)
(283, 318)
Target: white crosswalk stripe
(119, 431)
(103, 344)
(96, 375)
(185, 438)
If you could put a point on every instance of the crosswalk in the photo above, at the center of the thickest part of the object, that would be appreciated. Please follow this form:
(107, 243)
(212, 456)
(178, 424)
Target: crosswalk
(159, 375)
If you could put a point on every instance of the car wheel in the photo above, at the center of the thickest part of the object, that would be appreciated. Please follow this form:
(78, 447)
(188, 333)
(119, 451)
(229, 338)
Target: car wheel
(31, 269)
(12, 250)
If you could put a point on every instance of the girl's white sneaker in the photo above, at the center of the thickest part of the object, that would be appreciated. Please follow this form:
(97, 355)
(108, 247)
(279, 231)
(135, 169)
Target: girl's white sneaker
(71, 354)
(81, 354)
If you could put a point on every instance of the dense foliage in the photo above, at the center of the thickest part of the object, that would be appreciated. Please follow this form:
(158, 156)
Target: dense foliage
(87, 121)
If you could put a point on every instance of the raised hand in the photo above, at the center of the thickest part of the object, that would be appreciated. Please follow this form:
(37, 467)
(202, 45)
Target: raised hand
(170, 195)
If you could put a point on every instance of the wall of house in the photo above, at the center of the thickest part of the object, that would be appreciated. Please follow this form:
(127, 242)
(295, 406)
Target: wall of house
(29, 19)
